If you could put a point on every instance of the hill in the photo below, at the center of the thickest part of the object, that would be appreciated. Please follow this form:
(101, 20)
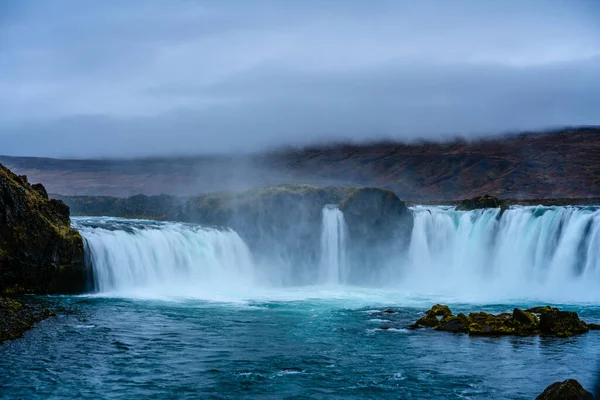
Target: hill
(560, 164)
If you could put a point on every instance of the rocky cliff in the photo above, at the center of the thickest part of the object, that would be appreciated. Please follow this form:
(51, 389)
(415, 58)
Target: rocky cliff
(39, 251)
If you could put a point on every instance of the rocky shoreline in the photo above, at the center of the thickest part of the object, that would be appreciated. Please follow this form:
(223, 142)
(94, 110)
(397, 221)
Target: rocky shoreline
(17, 317)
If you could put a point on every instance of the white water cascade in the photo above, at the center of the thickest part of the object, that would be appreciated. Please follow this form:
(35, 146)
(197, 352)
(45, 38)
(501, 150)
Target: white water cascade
(161, 258)
(333, 246)
(537, 252)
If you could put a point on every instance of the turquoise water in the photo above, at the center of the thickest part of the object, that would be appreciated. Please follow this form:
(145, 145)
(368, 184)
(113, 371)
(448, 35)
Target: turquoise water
(280, 347)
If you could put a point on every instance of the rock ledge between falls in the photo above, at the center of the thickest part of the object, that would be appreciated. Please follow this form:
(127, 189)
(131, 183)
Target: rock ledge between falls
(544, 320)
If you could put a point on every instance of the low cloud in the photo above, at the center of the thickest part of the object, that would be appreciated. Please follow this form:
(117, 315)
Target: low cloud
(139, 78)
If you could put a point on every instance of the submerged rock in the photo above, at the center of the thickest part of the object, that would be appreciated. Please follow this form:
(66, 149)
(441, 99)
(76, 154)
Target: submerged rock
(520, 322)
(39, 251)
(566, 390)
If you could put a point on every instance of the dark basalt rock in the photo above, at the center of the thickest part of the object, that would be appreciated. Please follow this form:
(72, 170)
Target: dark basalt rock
(519, 322)
(485, 201)
(39, 251)
(16, 318)
(562, 323)
(593, 327)
(456, 324)
(566, 390)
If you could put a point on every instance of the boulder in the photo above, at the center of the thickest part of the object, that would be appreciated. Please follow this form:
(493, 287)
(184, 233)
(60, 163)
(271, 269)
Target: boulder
(524, 317)
(39, 251)
(562, 323)
(566, 390)
(434, 316)
(456, 324)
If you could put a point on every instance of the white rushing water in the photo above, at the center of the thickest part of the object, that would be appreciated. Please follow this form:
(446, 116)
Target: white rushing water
(160, 258)
(334, 235)
(530, 252)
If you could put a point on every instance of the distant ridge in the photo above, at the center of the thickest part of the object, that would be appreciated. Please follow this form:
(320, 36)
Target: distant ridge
(556, 164)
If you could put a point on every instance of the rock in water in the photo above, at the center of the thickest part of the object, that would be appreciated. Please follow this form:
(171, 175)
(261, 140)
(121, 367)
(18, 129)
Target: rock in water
(567, 390)
(39, 251)
(522, 323)
(434, 316)
(562, 323)
(456, 324)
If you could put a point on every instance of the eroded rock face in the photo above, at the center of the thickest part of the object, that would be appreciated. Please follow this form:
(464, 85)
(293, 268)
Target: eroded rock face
(39, 251)
(566, 390)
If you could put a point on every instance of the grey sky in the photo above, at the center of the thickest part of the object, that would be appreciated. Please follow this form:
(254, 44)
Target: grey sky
(118, 78)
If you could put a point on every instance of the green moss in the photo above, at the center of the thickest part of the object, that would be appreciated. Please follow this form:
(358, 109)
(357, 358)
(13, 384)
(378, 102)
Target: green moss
(434, 316)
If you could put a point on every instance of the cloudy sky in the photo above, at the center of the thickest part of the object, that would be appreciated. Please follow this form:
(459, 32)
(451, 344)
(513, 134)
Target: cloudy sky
(86, 78)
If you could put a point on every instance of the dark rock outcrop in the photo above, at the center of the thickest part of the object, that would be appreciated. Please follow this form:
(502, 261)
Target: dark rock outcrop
(39, 251)
(562, 323)
(16, 318)
(522, 323)
(566, 390)
(485, 201)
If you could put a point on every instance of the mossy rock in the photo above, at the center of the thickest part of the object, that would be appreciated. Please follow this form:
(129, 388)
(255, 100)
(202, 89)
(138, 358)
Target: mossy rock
(16, 318)
(37, 243)
(562, 323)
(566, 390)
(541, 309)
(434, 316)
(482, 323)
(457, 324)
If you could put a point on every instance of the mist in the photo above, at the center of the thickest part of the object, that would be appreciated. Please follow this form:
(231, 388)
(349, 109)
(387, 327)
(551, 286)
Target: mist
(114, 79)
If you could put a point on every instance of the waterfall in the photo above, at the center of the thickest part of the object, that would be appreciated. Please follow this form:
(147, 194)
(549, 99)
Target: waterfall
(130, 256)
(526, 250)
(333, 246)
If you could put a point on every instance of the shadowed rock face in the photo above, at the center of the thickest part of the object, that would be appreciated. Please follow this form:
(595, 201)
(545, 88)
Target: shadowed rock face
(567, 390)
(39, 251)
